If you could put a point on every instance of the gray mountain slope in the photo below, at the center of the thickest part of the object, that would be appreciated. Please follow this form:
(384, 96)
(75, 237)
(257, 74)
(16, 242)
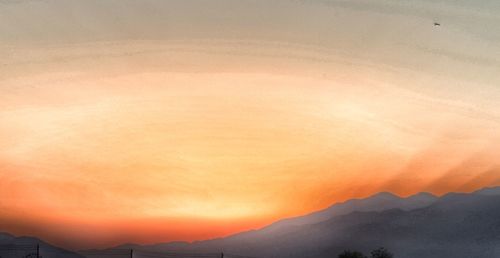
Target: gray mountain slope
(24, 246)
(455, 225)
(378, 202)
(489, 191)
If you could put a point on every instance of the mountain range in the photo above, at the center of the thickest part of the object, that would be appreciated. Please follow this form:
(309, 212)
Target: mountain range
(24, 246)
(423, 225)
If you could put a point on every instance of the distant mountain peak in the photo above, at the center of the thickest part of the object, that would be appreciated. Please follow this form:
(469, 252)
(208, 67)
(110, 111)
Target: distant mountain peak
(6, 234)
(495, 190)
(417, 221)
(422, 196)
(30, 243)
(385, 195)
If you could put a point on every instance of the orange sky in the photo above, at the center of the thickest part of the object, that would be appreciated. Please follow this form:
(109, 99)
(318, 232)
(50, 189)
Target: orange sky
(131, 139)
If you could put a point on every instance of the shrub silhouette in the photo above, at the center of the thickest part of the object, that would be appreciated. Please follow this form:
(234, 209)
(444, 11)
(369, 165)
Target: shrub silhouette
(351, 254)
(381, 253)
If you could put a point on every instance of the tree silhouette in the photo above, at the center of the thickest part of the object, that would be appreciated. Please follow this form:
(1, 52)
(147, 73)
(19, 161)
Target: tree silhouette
(351, 254)
(381, 253)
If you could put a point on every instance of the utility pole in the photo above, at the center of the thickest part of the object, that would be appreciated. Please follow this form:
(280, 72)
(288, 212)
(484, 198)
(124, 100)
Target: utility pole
(222, 255)
(131, 253)
(38, 250)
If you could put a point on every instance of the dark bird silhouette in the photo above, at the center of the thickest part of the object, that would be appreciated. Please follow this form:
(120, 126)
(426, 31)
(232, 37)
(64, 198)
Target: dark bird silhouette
(437, 24)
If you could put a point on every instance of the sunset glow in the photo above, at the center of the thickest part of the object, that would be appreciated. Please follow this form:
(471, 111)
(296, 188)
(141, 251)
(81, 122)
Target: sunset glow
(148, 138)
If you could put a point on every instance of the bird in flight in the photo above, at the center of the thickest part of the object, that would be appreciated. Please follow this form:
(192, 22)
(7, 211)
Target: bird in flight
(437, 24)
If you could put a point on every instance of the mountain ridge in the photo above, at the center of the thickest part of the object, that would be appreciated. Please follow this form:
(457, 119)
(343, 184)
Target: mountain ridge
(29, 245)
(387, 213)
(465, 218)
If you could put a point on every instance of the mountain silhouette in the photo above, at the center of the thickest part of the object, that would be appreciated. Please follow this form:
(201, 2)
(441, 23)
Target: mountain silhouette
(455, 225)
(423, 225)
(24, 246)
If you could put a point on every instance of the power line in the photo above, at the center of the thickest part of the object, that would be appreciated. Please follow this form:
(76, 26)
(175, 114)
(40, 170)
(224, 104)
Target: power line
(34, 250)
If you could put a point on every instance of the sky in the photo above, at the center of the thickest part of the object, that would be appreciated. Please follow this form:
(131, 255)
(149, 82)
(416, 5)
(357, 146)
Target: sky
(154, 121)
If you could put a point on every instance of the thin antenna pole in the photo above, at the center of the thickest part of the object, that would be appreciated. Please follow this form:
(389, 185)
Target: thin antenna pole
(37, 250)
(131, 253)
